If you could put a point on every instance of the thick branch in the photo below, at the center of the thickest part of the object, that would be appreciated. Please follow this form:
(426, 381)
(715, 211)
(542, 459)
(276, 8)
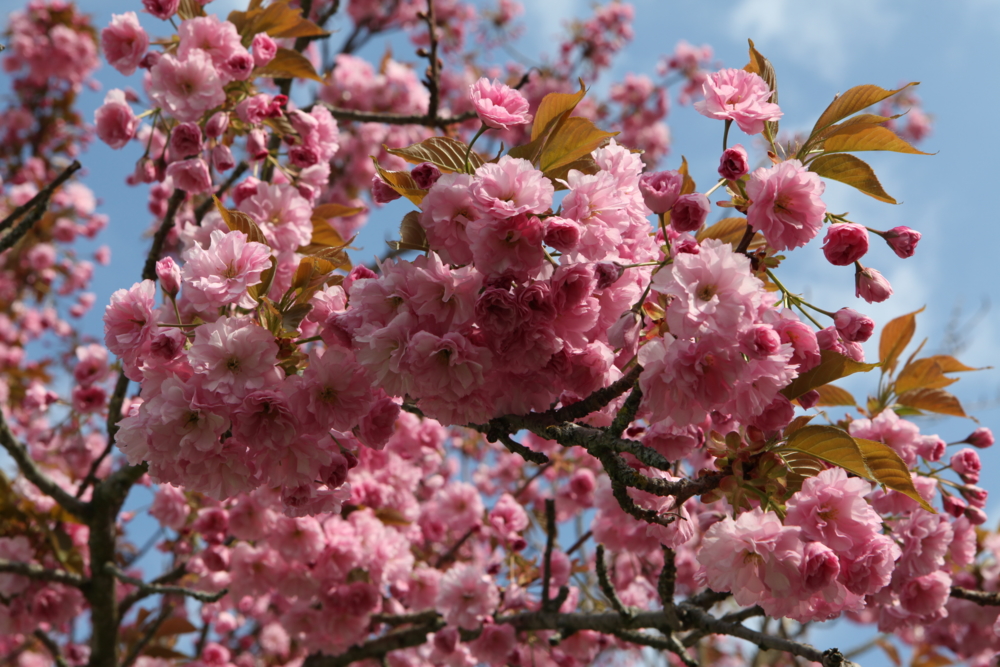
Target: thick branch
(979, 597)
(42, 574)
(525, 453)
(35, 475)
(42, 197)
(396, 118)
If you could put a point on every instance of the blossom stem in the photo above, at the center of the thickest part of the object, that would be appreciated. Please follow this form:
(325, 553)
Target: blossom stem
(468, 151)
(725, 135)
(715, 187)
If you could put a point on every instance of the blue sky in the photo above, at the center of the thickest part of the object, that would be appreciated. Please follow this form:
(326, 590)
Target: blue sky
(818, 49)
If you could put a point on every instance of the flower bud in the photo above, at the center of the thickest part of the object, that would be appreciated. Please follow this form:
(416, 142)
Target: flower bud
(902, 240)
(976, 516)
(975, 495)
(264, 49)
(809, 399)
(845, 243)
(562, 234)
(185, 141)
(217, 124)
(690, 212)
(954, 506)
(871, 286)
(170, 276)
(161, 9)
(734, 163)
(607, 273)
(256, 145)
(425, 175)
(222, 158)
(660, 189)
(624, 334)
(981, 438)
(382, 192)
(967, 464)
(190, 175)
(853, 326)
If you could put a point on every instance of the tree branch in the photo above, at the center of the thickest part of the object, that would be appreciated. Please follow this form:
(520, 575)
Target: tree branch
(397, 119)
(147, 637)
(146, 589)
(51, 647)
(979, 597)
(149, 270)
(605, 584)
(40, 573)
(41, 196)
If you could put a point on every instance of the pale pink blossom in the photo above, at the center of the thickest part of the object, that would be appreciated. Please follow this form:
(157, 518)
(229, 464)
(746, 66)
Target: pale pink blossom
(446, 211)
(507, 246)
(465, 596)
(785, 204)
(170, 507)
(510, 186)
(738, 95)
(233, 357)
(116, 122)
(264, 49)
(220, 274)
(218, 39)
(853, 326)
(186, 88)
(129, 324)
(831, 508)
(966, 463)
(192, 175)
(498, 105)
(660, 189)
(283, 214)
(124, 42)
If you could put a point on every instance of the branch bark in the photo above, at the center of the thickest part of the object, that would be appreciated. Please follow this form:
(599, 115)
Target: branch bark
(42, 574)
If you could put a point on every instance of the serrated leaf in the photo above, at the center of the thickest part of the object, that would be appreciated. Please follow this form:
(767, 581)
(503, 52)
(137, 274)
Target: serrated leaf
(852, 171)
(762, 66)
(446, 153)
(831, 395)
(867, 137)
(573, 139)
(288, 64)
(728, 230)
(797, 423)
(932, 400)
(189, 9)
(411, 234)
(260, 290)
(528, 151)
(896, 335)
(585, 165)
(327, 211)
(402, 182)
(687, 183)
(553, 107)
(323, 235)
(920, 374)
(852, 101)
(889, 469)
(336, 257)
(832, 445)
(238, 221)
(950, 364)
(832, 366)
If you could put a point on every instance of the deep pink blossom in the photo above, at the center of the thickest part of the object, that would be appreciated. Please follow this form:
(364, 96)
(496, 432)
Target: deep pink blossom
(734, 162)
(689, 212)
(902, 240)
(124, 42)
(845, 243)
(785, 204)
(116, 123)
(871, 285)
(966, 463)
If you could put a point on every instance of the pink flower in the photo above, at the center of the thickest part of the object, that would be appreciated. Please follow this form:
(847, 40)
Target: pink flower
(170, 507)
(283, 214)
(660, 189)
(115, 121)
(510, 246)
(562, 234)
(831, 508)
(124, 42)
(734, 163)
(217, 124)
(192, 175)
(690, 212)
(871, 286)
(161, 9)
(222, 158)
(903, 241)
(187, 88)
(495, 644)
(264, 49)
(425, 175)
(218, 39)
(845, 244)
(91, 365)
(466, 595)
(382, 192)
(233, 356)
(853, 326)
(967, 464)
(509, 187)
(981, 438)
(925, 595)
(334, 391)
(738, 95)
(499, 106)
(870, 570)
(785, 204)
(448, 367)
(220, 275)
(185, 140)
(128, 322)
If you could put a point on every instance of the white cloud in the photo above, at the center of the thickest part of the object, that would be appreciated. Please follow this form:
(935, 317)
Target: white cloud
(821, 36)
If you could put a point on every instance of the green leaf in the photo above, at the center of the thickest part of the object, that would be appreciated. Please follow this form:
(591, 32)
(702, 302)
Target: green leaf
(889, 469)
(832, 445)
(832, 366)
(896, 335)
(867, 137)
(554, 107)
(854, 100)
(932, 400)
(832, 395)
(573, 139)
(288, 64)
(446, 153)
(852, 171)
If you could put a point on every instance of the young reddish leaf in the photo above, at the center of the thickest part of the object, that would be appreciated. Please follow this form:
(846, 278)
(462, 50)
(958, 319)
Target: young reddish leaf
(867, 137)
(852, 171)
(325, 236)
(687, 184)
(447, 153)
(411, 235)
(726, 230)
(288, 64)
(586, 165)
(889, 469)
(762, 66)
(831, 444)
(896, 335)
(336, 257)
(401, 182)
(529, 151)
(854, 100)
(327, 211)
(189, 9)
(260, 290)
(832, 366)
(797, 423)
(890, 650)
(950, 364)
(239, 221)
(921, 374)
(572, 140)
(175, 625)
(926, 656)
(554, 107)
(932, 400)
(832, 395)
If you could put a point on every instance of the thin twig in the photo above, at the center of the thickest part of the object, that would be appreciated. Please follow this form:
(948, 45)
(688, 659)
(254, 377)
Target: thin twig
(550, 539)
(42, 195)
(51, 647)
(527, 454)
(605, 584)
(145, 589)
(396, 118)
(979, 597)
(147, 636)
(40, 573)
(433, 67)
(149, 270)
(114, 416)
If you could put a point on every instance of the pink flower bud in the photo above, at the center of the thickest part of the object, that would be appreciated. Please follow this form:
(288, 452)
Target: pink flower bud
(161, 9)
(185, 141)
(256, 145)
(150, 59)
(954, 506)
(624, 334)
(222, 158)
(982, 438)
(607, 273)
(247, 188)
(931, 447)
(303, 156)
(903, 241)
(734, 163)
(845, 244)
(562, 234)
(976, 516)
(264, 49)
(871, 286)
(238, 66)
(975, 495)
(382, 192)
(809, 399)
(217, 124)
(967, 464)
(776, 415)
(190, 175)
(853, 326)
(170, 275)
(690, 212)
(253, 109)
(499, 106)
(425, 175)
(660, 189)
